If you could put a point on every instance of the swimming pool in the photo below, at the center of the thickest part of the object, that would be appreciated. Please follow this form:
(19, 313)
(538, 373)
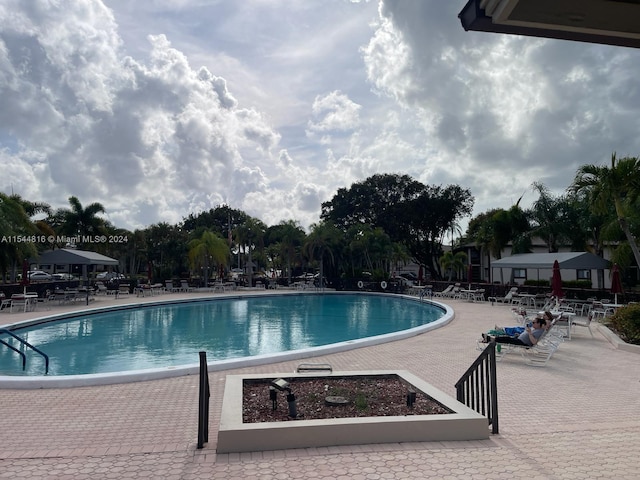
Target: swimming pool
(148, 341)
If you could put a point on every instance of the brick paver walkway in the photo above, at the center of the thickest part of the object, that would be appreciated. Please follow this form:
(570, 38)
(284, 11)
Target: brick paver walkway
(576, 418)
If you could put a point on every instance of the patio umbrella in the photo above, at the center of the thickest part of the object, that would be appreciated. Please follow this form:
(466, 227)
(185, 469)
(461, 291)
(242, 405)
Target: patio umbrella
(149, 271)
(25, 275)
(420, 275)
(470, 275)
(616, 283)
(556, 281)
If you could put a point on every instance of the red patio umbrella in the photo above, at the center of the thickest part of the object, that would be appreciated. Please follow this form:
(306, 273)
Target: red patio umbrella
(616, 282)
(556, 281)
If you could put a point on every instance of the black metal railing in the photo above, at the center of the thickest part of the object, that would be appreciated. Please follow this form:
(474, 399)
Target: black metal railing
(28, 345)
(477, 388)
(203, 402)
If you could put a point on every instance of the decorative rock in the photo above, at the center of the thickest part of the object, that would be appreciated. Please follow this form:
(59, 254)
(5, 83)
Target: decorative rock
(335, 401)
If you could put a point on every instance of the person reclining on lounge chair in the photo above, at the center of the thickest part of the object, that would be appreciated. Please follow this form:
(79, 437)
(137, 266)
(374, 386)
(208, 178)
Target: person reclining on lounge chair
(528, 338)
(515, 331)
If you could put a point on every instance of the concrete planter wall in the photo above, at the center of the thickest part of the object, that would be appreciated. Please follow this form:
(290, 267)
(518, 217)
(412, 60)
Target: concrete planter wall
(236, 436)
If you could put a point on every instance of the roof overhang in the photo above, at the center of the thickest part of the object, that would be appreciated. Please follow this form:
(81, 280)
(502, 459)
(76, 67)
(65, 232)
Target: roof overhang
(610, 22)
(65, 256)
(566, 260)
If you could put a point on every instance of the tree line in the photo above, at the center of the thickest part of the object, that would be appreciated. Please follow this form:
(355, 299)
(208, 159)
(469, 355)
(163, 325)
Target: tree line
(374, 226)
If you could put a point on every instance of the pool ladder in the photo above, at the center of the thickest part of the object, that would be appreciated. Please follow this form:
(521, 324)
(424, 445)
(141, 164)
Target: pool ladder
(26, 344)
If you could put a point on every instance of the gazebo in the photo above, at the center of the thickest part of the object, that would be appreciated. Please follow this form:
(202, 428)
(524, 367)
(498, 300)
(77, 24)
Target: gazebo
(576, 261)
(70, 256)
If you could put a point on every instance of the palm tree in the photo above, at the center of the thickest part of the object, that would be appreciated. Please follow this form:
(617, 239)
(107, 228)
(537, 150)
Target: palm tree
(324, 237)
(79, 221)
(250, 234)
(618, 185)
(290, 236)
(453, 262)
(206, 251)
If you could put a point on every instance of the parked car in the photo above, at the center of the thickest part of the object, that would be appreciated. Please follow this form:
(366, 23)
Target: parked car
(410, 276)
(39, 275)
(63, 276)
(110, 276)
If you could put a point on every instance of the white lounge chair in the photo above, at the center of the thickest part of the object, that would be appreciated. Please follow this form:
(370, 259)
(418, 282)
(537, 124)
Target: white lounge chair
(508, 298)
(444, 292)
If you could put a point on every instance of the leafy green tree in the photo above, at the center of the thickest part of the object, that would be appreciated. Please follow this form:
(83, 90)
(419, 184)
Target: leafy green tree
(250, 236)
(376, 201)
(617, 185)
(14, 224)
(166, 247)
(429, 217)
(209, 250)
(453, 262)
(287, 237)
(322, 241)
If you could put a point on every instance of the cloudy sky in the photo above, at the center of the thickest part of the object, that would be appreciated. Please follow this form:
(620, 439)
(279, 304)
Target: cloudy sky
(160, 108)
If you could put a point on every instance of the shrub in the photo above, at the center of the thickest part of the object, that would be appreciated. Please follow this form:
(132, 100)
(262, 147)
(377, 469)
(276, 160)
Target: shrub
(577, 284)
(626, 323)
(537, 283)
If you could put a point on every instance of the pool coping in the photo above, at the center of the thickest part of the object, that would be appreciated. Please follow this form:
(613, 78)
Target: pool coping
(66, 381)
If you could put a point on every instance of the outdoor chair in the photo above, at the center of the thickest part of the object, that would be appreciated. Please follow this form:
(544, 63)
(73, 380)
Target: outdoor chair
(583, 322)
(184, 286)
(508, 298)
(537, 355)
(444, 292)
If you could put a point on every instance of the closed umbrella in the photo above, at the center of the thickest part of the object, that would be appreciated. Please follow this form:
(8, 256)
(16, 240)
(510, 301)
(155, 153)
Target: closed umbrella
(149, 271)
(25, 275)
(616, 282)
(470, 275)
(556, 281)
(420, 275)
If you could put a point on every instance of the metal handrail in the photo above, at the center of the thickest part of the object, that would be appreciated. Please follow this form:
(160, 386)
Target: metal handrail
(24, 357)
(27, 344)
(203, 402)
(477, 388)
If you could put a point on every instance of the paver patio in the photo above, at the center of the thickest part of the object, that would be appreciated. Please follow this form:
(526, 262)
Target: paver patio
(576, 418)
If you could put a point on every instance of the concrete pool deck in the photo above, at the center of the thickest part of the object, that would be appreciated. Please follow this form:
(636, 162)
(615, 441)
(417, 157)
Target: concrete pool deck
(578, 417)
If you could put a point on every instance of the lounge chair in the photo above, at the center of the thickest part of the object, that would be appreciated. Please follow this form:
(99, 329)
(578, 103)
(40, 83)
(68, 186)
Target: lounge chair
(124, 289)
(537, 355)
(508, 298)
(184, 286)
(101, 289)
(444, 292)
(169, 287)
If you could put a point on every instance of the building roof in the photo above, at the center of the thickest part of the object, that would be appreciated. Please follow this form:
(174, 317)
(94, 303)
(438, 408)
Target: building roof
(68, 256)
(567, 261)
(610, 22)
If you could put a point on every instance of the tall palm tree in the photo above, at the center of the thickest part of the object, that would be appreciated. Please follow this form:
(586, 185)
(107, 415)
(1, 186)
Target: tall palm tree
(206, 251)
(453, 262)
(291, 236)
(251, 235)
(81, 221)
(618, 185)
(322, 239)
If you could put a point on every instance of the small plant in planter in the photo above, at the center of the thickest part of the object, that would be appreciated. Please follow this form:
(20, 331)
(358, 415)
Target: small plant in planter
(626, 323)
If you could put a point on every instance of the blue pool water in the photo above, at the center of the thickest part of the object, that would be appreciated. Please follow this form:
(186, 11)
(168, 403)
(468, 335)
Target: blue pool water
(166, 335)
